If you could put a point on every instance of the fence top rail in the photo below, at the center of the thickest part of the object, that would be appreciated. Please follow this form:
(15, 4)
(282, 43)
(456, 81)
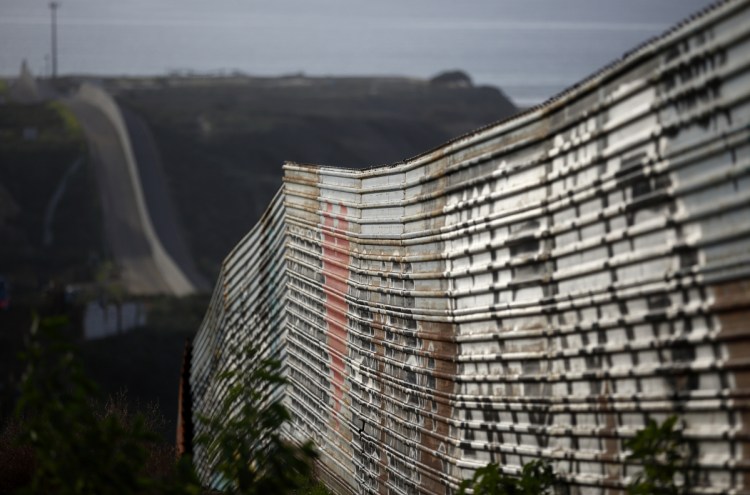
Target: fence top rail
(700, 20)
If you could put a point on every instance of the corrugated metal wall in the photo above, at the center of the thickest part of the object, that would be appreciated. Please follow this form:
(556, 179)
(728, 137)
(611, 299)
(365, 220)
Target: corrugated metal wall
(538, 289)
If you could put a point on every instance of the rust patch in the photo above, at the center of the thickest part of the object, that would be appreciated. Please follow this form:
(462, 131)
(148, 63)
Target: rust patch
(732, 306)
(443, 412)
(613, 471)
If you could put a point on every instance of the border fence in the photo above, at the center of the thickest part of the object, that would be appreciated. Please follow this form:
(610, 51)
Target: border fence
(538, 289)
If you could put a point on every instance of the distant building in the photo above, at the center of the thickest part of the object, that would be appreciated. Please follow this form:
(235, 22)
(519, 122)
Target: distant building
(25, 88)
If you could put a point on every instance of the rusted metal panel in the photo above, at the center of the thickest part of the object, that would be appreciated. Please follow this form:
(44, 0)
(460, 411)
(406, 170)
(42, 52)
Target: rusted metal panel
(538, 289)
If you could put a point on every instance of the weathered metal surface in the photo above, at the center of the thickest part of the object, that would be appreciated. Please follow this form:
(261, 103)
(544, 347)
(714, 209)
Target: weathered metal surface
(538, 289)
(248, 306)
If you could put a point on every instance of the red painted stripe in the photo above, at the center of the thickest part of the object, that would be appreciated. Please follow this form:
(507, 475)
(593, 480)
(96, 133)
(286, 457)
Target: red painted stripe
(334, 286)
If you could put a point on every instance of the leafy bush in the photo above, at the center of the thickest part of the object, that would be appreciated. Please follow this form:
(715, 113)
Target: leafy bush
(536, 478)
(313, 487)
(76, 449)
(665, 457)
(65, 441)
(68, 121)
(661, 449)
(244, 438)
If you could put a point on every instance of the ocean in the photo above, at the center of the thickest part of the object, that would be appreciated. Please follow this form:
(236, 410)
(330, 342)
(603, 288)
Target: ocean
(531, 49)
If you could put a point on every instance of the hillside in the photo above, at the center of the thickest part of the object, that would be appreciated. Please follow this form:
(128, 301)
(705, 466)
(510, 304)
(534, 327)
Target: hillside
(49, 217)
(223, 141)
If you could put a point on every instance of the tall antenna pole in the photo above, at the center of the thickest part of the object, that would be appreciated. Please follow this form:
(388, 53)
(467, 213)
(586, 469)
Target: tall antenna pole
(53, 7)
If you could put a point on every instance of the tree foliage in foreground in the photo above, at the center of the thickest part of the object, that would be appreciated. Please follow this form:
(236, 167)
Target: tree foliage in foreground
(78, 450)
(660, 449)
(537, 478)
(665, 457)
(244, 438)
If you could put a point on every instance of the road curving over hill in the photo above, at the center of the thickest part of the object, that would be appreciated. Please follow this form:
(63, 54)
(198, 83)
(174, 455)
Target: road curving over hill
(146, 267)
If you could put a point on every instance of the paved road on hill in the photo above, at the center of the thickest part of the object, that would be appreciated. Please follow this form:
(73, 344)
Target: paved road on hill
(123, 226)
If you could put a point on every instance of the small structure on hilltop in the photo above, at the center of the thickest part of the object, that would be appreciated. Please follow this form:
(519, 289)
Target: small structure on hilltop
(25, 88)
(452, 79)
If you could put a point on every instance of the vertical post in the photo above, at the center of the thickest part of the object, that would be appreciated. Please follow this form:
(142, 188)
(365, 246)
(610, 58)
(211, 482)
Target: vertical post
(185, 406)
(53, 7)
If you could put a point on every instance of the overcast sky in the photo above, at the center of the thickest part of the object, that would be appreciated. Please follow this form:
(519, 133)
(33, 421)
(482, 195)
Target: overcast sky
(547, 43)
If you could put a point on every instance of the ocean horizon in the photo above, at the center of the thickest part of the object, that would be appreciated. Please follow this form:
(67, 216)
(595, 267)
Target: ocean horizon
(529, 55)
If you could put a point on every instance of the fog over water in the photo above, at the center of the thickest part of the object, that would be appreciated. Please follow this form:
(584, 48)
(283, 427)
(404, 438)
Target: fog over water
(530, 48)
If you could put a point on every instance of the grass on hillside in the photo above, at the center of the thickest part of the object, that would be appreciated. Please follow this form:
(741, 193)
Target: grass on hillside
(40, 145)
(47, 126)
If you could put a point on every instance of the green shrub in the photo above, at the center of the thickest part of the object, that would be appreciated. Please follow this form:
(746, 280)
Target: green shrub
(69, 442)
(244, 439)
(665, 457)
(76, 451)
(69, 123)
(536, 478)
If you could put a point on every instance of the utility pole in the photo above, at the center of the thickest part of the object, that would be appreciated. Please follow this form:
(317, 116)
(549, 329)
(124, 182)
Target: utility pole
(53, 7)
